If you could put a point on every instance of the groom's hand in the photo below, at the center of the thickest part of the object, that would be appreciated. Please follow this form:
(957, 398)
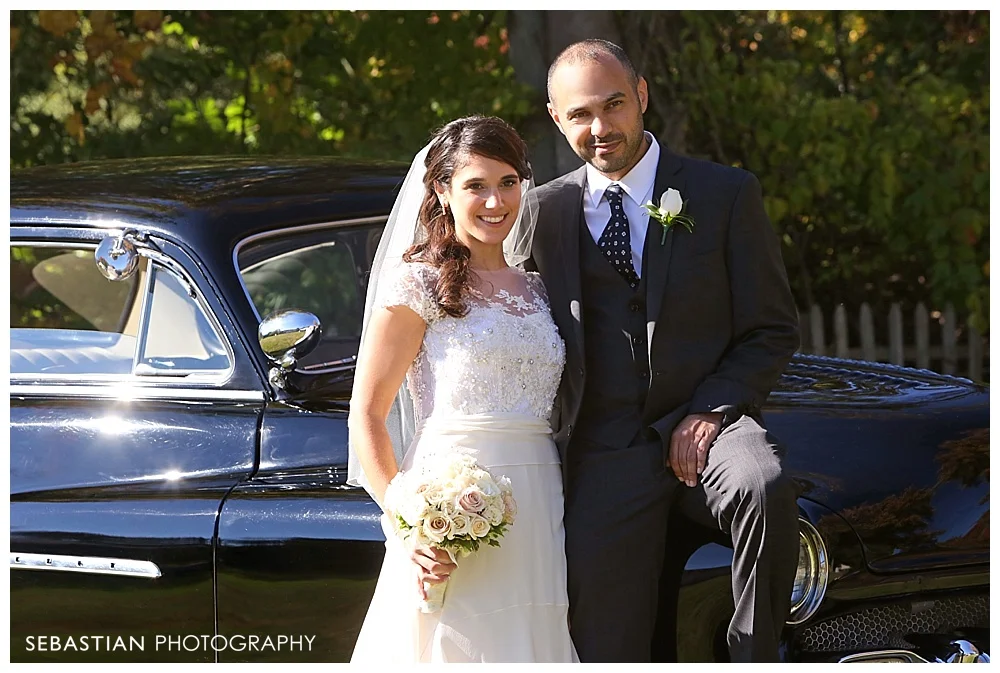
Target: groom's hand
(433, 566)
(689, 445)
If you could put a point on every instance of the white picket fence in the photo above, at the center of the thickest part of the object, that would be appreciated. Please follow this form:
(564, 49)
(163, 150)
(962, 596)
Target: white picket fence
(962, 352)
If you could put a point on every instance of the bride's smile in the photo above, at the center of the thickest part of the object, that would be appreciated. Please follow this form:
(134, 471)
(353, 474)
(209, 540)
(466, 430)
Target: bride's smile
(493, 220)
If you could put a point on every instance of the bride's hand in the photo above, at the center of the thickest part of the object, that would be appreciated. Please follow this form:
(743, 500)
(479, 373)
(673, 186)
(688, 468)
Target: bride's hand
(433, 566)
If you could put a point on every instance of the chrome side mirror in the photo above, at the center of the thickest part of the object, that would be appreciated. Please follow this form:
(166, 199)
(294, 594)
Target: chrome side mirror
(117, 256)
(964, 652)
(285, 337)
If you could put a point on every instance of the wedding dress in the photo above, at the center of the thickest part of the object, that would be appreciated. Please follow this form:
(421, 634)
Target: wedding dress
(486, 383)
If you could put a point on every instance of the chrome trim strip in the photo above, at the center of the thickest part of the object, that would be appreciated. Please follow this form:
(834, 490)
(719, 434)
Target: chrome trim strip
(884, 657)
(342, 365)
(133, 380)
(819, 564)
(294, 251)
(35, 243)
(292, 231)
(96, 224)
(85, 564)
(135, 393)
(144, 308)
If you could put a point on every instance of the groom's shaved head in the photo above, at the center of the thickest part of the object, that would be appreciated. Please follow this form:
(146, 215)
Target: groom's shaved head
(591, 50)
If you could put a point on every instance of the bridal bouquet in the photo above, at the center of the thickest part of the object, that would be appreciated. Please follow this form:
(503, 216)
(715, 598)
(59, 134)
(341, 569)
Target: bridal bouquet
(453, 504)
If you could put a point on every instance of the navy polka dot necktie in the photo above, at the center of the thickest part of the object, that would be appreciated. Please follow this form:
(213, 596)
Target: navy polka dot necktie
(615, 242)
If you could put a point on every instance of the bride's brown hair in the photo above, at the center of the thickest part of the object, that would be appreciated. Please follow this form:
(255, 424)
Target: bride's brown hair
(452, 145)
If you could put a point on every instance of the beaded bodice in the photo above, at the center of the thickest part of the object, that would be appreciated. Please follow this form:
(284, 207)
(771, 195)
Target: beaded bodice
(504, 356)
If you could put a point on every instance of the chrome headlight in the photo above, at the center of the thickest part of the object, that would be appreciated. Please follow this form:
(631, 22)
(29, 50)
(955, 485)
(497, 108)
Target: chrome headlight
(811, 576)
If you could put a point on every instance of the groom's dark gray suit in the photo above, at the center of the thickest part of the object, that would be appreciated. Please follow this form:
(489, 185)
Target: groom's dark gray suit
(709, 329)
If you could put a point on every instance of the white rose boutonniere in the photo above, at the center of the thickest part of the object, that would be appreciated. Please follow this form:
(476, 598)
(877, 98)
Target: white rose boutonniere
(670, 212)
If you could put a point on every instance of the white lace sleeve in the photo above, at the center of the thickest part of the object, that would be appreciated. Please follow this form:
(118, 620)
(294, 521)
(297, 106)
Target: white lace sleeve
(411, 285)
(538, 287)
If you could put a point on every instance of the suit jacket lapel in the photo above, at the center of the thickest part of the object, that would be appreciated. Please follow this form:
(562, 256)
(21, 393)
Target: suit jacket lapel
(657, 262)
(569, 231)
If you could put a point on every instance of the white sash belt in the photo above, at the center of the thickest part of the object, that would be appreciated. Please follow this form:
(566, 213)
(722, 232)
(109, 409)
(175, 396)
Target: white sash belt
(505, 422)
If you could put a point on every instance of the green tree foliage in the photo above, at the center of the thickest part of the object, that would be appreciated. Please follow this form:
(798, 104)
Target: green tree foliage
(869, 132)
(373, 84)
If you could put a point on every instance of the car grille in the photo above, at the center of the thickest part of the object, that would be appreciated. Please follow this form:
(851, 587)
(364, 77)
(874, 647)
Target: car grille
(886, 625)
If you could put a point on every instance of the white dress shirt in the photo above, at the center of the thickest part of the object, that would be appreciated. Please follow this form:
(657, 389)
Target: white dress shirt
(638, 188)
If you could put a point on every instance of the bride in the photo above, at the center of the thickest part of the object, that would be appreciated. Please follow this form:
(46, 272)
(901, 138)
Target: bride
(472, 335)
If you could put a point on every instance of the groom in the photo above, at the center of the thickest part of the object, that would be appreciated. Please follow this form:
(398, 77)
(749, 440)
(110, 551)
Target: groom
(674, 340)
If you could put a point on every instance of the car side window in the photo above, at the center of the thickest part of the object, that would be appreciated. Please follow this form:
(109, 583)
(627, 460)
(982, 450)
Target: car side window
(179, 336)
(321, 272)
(67, 320)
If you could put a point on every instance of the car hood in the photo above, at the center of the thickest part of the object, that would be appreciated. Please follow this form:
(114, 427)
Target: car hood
(901, 455)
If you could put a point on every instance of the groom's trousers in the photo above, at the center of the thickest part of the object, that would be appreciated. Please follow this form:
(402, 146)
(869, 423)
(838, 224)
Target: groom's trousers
(618, 501)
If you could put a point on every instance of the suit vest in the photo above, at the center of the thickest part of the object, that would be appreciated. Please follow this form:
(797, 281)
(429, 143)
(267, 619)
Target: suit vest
(615, 351)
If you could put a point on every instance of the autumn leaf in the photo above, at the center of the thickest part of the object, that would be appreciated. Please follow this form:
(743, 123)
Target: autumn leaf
(96, 45)
(101, 20)
(66, 58)
(74, 126)
(147, 19)
(58, 22)
(94, 96)
(134, 51)
(122, 67)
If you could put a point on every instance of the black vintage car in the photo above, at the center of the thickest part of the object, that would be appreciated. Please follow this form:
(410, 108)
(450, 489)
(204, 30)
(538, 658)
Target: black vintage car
(178, 440)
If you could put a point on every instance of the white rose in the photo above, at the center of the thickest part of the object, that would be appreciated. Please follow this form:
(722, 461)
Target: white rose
(488, 486)
(450, 470)
(449, 508)
(460, 525)
(452, 490)
(671, 202)
(436, 527)
(413, 510)
(478, 526)
(454, 464)
(505, 485)
(415, 538)
(493, 513)
(434, 494)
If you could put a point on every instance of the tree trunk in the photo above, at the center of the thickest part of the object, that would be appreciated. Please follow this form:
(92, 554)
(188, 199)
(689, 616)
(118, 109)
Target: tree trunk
(536, 38)
(654, 45)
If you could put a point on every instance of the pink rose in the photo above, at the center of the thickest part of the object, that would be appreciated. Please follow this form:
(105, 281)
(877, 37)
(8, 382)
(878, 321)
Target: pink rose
(471, 501)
